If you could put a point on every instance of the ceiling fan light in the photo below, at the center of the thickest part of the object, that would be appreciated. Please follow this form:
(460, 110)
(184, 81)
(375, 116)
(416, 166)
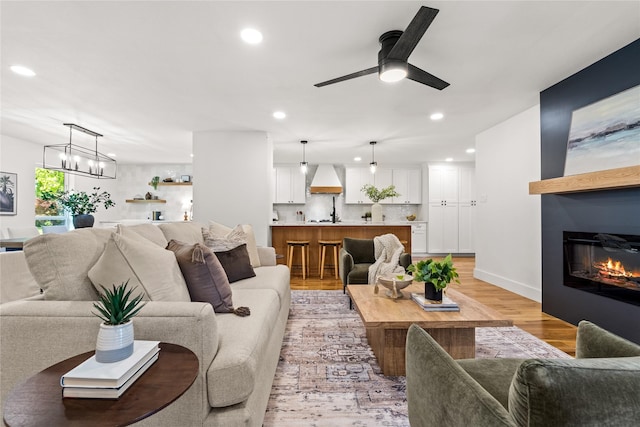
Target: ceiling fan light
(392, 71)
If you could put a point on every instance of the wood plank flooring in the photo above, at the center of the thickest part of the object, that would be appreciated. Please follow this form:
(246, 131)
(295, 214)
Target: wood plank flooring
(526, 314)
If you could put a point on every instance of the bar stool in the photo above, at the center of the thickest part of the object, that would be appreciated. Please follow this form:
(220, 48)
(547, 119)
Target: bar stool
(304, 252)
(322, 255)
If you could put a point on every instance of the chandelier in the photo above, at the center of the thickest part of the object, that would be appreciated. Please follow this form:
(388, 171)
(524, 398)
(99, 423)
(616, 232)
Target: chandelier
(75, 159)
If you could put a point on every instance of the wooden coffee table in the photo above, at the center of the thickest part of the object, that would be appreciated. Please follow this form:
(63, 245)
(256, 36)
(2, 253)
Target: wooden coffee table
(387, 321)
(38, 401)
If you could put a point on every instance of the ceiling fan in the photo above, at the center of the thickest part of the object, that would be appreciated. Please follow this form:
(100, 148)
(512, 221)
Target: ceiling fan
(394, 53)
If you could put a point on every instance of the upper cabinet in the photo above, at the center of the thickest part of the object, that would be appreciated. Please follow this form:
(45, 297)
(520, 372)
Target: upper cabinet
(443, 183)
(355, 179)
(408, 183)
(289, 185)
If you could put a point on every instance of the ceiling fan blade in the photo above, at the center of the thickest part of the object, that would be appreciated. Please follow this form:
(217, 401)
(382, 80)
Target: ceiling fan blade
(348, 76)
(412, 35)
(421, 76)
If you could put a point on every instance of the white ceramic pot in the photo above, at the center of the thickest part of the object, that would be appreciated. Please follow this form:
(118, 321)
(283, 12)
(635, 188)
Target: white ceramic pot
(115, 342)
(376, 212)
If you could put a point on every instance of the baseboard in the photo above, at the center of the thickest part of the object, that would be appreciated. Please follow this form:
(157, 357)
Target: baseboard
(522, 289)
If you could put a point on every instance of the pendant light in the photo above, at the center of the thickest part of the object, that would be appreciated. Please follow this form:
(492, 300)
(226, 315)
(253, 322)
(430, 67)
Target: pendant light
(304, 166)
(373, 165)
(77, 160)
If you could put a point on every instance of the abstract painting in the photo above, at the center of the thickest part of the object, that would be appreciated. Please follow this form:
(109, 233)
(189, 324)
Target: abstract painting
(8, 191)
(605, 135)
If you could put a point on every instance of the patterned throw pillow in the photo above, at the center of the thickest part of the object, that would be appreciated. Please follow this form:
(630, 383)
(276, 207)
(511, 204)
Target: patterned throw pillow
(243, 233)
(231, 240)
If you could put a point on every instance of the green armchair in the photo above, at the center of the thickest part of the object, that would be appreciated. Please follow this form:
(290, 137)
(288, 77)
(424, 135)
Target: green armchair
(356, 256)
(601, 387)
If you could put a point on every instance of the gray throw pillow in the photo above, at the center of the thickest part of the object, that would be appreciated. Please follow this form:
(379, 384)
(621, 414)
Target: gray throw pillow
(236, 263)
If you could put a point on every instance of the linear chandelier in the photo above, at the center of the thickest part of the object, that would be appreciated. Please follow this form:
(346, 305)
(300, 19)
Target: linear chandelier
(75, 159)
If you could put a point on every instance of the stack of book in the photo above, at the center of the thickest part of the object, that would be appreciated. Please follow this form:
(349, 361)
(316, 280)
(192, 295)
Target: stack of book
(95, 380)
(447, 303)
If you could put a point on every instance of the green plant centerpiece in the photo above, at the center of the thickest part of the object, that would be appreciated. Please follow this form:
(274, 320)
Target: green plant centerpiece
(81, 205)
(155, 181)
(376, 195)
(116, 307)
(436, 276)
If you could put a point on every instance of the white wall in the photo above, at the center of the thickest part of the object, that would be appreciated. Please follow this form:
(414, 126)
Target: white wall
(233, 179)
(508, 240)
(20, 157)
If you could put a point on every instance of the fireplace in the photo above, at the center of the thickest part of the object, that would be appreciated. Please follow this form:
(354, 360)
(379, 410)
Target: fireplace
(603, 264)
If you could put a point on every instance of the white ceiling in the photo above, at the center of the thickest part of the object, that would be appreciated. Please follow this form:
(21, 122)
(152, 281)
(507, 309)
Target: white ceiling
(148, 74)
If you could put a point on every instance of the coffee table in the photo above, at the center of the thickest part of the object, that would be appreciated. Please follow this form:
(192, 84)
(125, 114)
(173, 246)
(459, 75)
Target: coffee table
(387, 322)
(38, 401)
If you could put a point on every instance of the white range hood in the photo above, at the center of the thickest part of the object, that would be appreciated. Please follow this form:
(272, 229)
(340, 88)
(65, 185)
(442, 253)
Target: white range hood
(325, 181)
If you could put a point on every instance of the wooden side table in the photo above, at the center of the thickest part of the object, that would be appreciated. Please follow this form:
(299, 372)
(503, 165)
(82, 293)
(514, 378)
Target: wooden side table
(38, 401)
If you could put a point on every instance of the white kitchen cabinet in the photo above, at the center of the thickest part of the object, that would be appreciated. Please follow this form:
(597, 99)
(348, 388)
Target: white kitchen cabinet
(466, 226)
(289, 185)
(443, 183)
(419, 237)
(443, 227)
(408, 183)
(355, 179)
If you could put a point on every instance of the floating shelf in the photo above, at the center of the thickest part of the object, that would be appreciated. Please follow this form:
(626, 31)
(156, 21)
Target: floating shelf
(611, 179)
(173, 183)
(146, 201)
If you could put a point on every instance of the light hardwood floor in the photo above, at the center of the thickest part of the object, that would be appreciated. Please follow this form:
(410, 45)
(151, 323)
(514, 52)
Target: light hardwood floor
(526, 314)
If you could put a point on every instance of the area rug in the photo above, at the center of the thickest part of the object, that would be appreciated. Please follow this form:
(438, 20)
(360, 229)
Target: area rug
(328, 375)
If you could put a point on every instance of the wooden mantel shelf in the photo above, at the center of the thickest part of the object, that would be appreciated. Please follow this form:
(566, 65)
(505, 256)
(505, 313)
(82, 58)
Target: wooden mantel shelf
(611, 179)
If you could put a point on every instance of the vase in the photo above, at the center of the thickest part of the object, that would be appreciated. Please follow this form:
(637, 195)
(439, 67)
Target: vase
(83, 221)
(376, 212)
(431, 293)
(115, 342)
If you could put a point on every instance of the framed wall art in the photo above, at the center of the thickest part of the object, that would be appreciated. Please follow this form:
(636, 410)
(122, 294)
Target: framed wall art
(8, 193)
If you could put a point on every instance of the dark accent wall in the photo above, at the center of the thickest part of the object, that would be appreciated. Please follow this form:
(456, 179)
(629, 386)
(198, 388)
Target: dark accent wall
(614, 211)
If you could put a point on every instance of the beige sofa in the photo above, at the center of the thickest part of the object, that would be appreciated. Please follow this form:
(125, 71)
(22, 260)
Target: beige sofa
(238, 355)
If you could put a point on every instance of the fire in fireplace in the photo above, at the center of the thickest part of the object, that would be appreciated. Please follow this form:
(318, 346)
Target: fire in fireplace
(604, 264)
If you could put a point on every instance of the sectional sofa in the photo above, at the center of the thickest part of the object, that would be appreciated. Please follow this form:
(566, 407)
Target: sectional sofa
(45, 317)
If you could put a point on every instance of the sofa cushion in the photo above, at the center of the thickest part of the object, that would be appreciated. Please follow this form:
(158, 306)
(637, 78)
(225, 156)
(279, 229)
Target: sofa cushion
(148, 231)
(205, 277)
(187, 232)
(242, 341)
(60, 263)
(275, 277)
(236, 263)
(576, 392)
(593, 341)
(494, 375)
(15, 280)
(147, 266)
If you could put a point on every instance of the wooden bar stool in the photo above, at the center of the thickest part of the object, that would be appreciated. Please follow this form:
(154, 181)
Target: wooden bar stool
(322, 255)
(304, 255)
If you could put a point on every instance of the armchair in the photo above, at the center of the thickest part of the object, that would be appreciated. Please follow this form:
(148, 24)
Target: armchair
(598, 388)
(356, 256)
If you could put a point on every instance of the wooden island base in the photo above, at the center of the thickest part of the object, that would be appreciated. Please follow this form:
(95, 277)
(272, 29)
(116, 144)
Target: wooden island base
(314, 232)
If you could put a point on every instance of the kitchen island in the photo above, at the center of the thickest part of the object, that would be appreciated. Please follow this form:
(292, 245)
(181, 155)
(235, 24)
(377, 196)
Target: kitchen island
(314, 231)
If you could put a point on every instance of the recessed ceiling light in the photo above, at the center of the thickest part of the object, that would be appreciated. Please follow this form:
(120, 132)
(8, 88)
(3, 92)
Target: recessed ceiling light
(23, 71)
(357, 159)
(251, 36)
(471, 150)
(437, 116)
(449, 159)
(191, 154)
(279, 115)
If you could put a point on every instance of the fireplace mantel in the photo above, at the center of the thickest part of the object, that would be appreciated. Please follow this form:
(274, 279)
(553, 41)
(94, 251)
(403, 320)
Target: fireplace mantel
(610, 179)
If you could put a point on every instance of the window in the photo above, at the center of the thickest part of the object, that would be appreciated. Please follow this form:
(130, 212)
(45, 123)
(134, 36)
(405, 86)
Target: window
(49, 184)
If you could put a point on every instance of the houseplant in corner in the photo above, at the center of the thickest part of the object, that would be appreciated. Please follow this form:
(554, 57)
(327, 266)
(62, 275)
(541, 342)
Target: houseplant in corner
(82, 204)
(436, 276)
(375, 196)
(116, 309)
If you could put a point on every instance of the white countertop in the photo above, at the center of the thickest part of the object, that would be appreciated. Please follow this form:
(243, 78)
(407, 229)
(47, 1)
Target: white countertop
(344, 223)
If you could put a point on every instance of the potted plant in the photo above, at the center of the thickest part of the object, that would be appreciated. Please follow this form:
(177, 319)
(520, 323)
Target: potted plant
(376, 196)
(436, 276)
(82, 204)
(155, 181)
(116, 309)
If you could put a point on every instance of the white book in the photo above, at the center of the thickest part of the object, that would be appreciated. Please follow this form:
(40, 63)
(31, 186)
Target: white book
(92, 373)
(447, 303)
(108, 393)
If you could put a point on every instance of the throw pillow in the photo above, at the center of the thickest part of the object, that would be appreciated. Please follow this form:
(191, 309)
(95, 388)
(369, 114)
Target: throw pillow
(147, 266)
(236, 263)
(188, 231)
(222, 231)
(205, 277)
(232, 239)
(218, 230)
(60, 263)
(148, 231)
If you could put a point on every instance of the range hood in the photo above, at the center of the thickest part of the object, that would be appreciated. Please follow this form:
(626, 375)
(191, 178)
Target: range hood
(325, 181)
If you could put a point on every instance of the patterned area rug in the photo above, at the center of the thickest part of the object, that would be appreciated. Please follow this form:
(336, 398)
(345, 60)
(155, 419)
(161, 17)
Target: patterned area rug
(328, 375)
